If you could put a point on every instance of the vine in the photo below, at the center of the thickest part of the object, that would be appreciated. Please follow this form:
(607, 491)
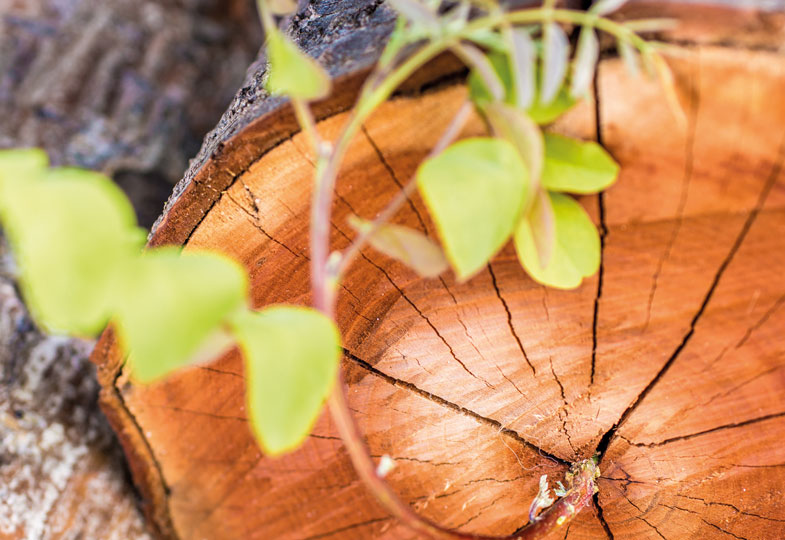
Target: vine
(80, 252)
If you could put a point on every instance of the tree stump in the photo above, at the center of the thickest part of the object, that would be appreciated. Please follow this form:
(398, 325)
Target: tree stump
(670, 363)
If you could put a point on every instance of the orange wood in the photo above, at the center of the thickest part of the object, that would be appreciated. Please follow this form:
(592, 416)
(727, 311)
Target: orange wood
(671, 361)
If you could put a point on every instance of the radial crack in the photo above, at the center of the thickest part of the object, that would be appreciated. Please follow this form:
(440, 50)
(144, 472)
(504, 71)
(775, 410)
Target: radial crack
(427, 320)
(393, 176)
(707, 431)
(498, 426)
(751, 217)
(689, 159)
(509, 319)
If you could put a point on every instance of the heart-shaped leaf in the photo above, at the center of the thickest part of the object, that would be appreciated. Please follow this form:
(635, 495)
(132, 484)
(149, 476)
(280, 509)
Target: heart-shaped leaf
(292, 355)
(475, 191)
(173, 304)
(576, 166)
(72, 232)
(576, 251)
(292, 72)
(409, 246)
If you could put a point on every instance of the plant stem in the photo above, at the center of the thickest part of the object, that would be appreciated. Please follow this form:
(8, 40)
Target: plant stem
(579, 494)
(305, 119)
(324, 279)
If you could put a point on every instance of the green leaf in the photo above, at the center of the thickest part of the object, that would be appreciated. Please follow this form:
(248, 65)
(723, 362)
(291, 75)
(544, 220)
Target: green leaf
(72, 232)
(554, 61)
(576, 166)
(522, 65)
(516, 127)
(576, 252)
(540, 113)
(488, 39)
(292, 72)
(19, 165)
(292, 356)
(542, 221)
(409, 246)
(475, 191)
(172, 305)
(585, 64)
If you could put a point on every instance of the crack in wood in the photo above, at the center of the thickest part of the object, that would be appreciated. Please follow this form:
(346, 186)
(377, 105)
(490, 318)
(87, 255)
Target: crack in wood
(162, 516)
(220, 371)
(510, 324)
(760, 322)
(704, 521)
(197, 413)
(470, 339)
(347, 528)
(733, 507)
(393, 176)
(562, 417)
(689, 158)
(751, 217)
(426, 319)
(253, 219)
(706, 431)
(601, 516)
(498, 426)
(602, 228)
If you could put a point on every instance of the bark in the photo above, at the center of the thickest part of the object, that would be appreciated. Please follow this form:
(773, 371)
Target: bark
(121, 86)
(668, 363)
(128, 88)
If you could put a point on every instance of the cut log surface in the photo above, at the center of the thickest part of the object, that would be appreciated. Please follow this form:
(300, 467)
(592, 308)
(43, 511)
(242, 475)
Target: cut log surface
(669, 363)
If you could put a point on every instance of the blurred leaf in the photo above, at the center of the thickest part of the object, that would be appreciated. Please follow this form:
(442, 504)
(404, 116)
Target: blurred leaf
(292, 356)
(482, 68)
(489, 39)
(409, 246)
(651, 25)
(668, 83)
(515, 126)
(555, 59)
(282, 7)
(538, 112)
(585, 62)
(20, 165)
(455, 19)
(542, 222)
(172, 305)
(629, 57)
(523, 67)
(577, 166)
(72, 232)
(475, 191)
(576, 251)
(602, 7)
(292, 72)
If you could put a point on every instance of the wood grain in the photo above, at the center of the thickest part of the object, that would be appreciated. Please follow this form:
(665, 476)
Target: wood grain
(668, 363)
